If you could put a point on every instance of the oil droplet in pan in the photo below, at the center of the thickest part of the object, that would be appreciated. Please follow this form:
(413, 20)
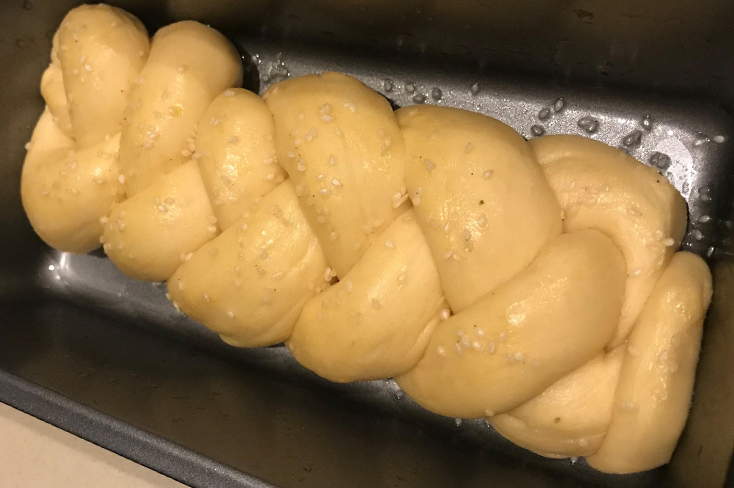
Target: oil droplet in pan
(559, 104)
(659, 160)
(588, 124)
(633, 139)
(646, 122)
(700, 140)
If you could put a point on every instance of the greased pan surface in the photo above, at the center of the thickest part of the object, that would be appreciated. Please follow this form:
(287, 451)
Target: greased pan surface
(78, 327)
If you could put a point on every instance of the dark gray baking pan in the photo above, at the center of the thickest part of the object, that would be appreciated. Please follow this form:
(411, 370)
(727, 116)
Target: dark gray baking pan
(107, 358)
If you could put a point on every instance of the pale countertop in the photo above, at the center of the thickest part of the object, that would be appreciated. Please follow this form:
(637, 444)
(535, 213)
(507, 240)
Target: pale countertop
(34, 454)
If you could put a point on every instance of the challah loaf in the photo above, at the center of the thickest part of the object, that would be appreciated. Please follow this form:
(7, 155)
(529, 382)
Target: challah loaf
(533, 284)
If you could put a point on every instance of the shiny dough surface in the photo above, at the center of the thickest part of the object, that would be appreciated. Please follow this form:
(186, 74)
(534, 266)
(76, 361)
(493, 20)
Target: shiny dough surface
(535, 284)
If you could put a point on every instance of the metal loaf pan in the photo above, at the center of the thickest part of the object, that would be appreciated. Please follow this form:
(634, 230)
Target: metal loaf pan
(107, 358)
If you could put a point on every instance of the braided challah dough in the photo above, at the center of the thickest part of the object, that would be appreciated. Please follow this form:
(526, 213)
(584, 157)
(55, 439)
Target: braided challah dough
(70, 177)
(571, 417)
(533, 284)
(602, 188)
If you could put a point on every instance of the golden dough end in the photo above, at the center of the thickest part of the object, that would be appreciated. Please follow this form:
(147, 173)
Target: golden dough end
(66, 192)
(656, 382)
(101, 50)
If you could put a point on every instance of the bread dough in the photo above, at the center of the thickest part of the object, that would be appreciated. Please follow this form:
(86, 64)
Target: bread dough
(54, 93)
(189, 64)
(519, 339)
(251, 283)
(101, 50)
(656, 382)
(482, 200)
(236, 143)
(340, 144)
(66, 192)
(376, 322)
(602, 188)
(571, 417)
(147, 234)
(317, 181)
(70, 176)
